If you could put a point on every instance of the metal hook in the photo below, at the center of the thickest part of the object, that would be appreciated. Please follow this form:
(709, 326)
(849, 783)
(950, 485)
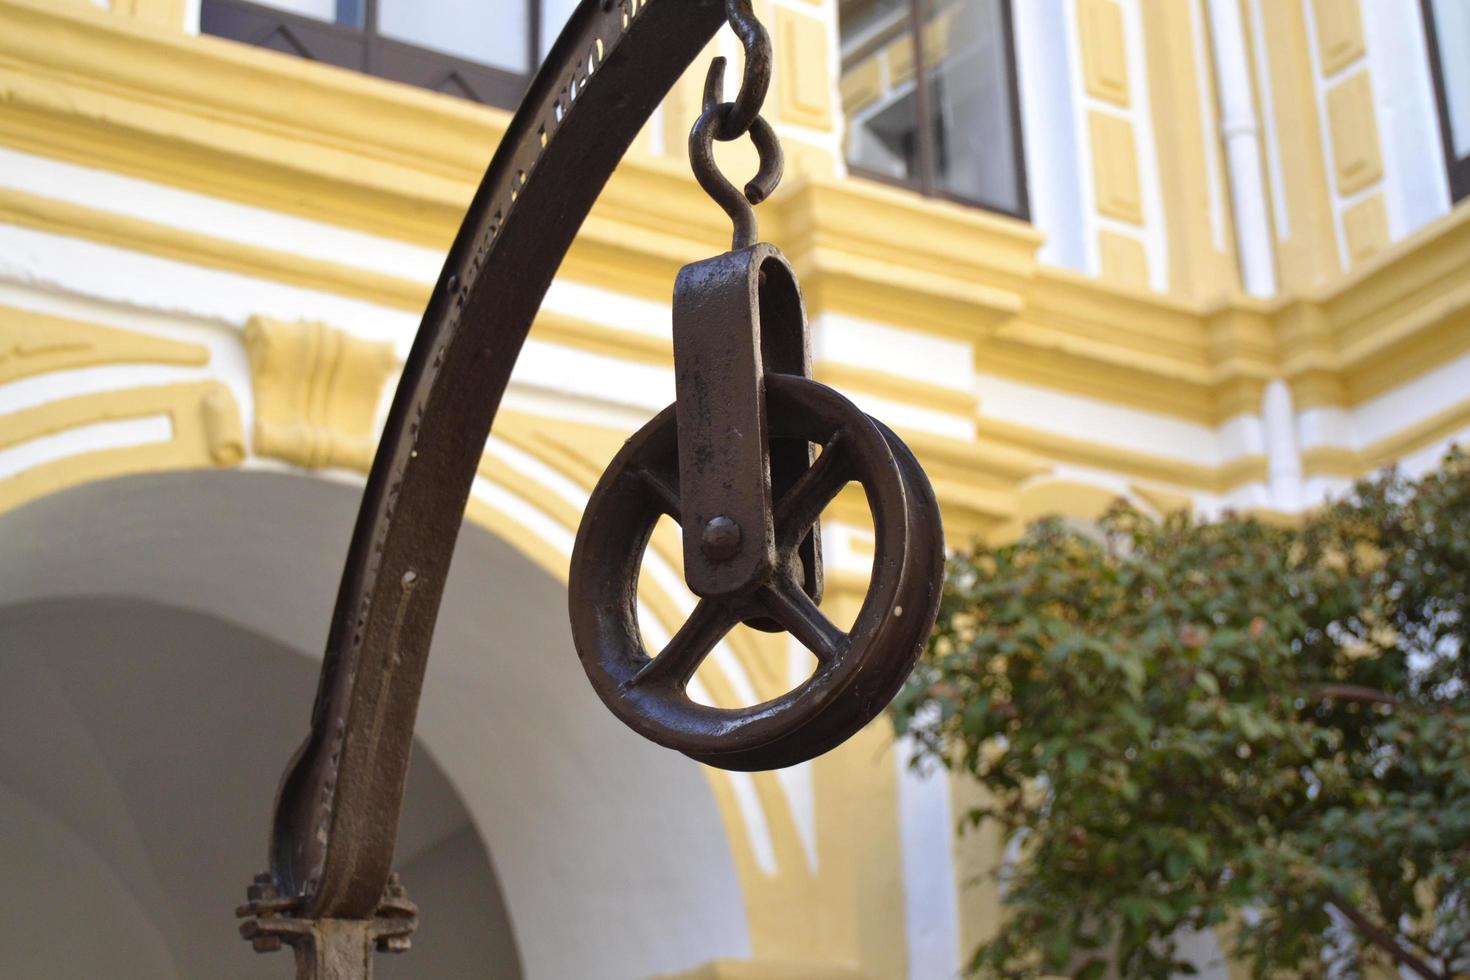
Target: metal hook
(702, 160)
(757, 80)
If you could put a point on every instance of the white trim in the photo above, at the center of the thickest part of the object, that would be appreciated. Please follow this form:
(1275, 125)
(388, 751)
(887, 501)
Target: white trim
(1155, 243)
(1210, 133)
(1049, 132)
(1324, 124)
(1398, 408)
(1080, 417)
(1268, 116)
(1241, 130)
(899, 351)
(1283, 461)
(926, 842)
(226, 220)
(91, 437)
(1092, 260)
(128, 278)
(796, 783)
(1416, 184)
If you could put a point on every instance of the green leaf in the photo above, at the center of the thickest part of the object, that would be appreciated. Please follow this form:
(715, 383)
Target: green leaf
(1058, 950)
(1176, 865)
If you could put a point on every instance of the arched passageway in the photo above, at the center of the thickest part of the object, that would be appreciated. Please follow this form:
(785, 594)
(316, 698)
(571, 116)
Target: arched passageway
(132, 793)
(161, 637)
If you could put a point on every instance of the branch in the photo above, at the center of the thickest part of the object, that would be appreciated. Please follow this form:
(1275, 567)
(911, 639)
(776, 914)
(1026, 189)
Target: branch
(1355, 692)
(1369, 695)
(1383, 939)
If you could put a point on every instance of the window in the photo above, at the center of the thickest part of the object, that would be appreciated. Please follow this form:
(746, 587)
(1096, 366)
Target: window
(1447, 25)
(477, 50)
(929, 92)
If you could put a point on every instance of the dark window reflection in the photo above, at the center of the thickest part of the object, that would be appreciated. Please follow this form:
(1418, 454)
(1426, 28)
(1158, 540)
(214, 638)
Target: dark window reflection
(969, 145)
(473, 49)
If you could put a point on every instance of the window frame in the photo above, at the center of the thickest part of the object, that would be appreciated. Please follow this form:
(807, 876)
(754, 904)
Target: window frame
(926, 182)
(365, 49)
(1457, 169)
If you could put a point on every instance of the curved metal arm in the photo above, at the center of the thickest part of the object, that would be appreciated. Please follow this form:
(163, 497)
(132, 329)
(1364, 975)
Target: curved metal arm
(337, 811)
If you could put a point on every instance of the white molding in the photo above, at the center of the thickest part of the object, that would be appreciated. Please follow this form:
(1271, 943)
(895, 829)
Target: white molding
(1241, 131)
(930, 888)
(112, 434)
(1416, 182)
(1155, 235)
(1079, 417)
(1054, 175)
(225, 220)
(1283, 461)
(1324, 125)
(1209, 127)
(1087, 219)
(1274, 168)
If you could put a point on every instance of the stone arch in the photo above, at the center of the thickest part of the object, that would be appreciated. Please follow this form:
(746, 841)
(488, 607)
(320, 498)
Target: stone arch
(1064, 498)
(594, 833)
(134, 790)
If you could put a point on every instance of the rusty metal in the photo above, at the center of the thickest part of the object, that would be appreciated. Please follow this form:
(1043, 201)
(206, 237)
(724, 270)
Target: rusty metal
(724, 459)
(857, 670)
(328, 949)
(737, 316)
(736, 203)
(328, 892)
(754, 38)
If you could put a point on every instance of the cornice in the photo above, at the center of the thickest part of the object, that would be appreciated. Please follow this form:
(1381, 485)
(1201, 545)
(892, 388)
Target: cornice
(1090, 453)
(253, 126)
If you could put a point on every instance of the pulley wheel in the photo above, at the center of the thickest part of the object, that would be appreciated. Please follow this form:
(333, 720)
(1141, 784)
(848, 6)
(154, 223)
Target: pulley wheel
(858, 670)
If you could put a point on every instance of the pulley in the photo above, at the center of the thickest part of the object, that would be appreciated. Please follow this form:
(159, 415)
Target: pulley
(745, 461)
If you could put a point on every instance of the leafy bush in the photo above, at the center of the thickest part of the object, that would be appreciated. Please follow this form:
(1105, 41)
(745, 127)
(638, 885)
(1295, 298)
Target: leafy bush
(1187, 724)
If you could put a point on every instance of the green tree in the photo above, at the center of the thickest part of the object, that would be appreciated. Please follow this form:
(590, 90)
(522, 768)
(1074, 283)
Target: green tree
(1185, 724)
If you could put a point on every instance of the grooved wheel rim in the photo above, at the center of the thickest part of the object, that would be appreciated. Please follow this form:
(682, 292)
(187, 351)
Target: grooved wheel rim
(858, 672)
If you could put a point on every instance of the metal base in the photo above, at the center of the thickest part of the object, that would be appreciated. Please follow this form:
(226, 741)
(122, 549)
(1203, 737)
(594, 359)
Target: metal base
(336, 949)
(327, 949)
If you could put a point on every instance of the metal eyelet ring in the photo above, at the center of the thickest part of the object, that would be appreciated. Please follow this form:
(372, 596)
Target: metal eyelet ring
(858, 671)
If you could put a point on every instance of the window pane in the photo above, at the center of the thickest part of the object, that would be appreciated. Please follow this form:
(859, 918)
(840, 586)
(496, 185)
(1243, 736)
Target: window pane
(1452, 25)
(493, 34)
(878, 96)
(968, 51)
(316, 9)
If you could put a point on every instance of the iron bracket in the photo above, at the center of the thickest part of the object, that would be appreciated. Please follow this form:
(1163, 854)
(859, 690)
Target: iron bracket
(737, 316)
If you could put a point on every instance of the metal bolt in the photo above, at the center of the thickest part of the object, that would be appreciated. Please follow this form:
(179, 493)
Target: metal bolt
(262, 889)
(721, 539)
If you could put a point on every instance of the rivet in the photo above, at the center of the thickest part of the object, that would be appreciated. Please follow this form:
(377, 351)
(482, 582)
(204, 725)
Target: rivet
(721, 540)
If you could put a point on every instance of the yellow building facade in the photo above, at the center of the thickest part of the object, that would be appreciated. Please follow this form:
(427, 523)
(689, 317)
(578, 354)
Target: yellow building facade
(1200, 254)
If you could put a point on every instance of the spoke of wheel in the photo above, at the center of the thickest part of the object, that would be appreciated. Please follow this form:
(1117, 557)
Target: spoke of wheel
(663, 492)
(795, 610)
(678, 661)
(799, 508)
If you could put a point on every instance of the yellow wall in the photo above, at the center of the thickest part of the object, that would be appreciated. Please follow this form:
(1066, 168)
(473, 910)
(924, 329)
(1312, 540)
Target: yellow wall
(129, 92)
